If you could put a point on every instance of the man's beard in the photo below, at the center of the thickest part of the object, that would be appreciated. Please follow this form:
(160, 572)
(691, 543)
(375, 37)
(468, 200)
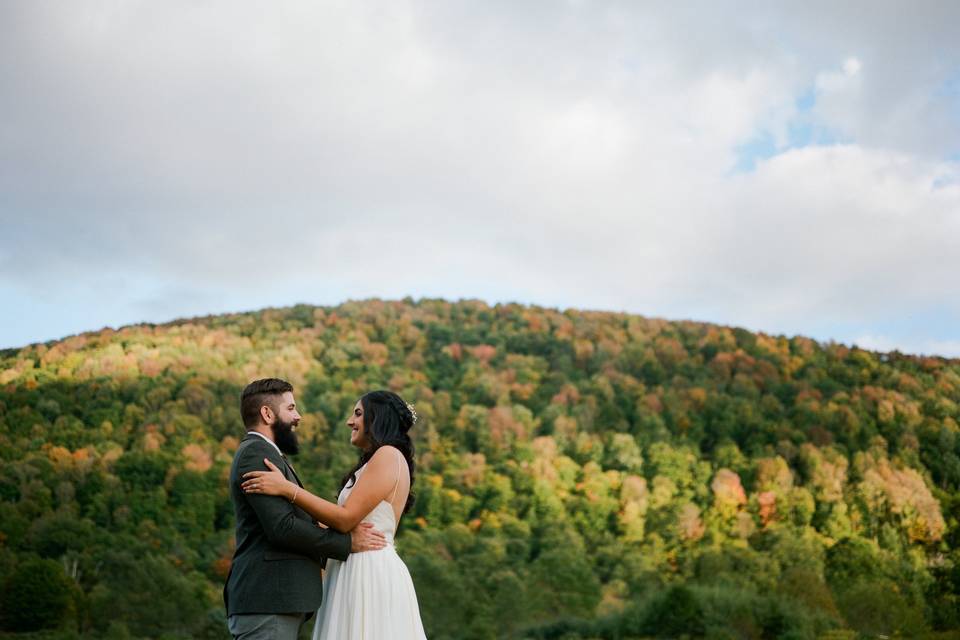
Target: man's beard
(285, 437)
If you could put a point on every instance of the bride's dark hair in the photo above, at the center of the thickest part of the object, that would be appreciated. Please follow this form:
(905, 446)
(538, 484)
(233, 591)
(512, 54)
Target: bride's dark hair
(386, 421)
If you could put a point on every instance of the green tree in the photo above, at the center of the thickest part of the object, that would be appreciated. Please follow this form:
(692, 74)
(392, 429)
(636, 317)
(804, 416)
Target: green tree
(37, 596)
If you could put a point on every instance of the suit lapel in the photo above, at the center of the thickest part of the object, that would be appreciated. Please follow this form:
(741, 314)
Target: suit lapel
(292, 470)
(286, 462)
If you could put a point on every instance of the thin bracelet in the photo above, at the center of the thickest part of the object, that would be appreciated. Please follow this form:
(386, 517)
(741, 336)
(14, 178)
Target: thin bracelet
(293, 500)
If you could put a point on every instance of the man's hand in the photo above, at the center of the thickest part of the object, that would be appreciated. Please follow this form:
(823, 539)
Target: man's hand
(365, 538)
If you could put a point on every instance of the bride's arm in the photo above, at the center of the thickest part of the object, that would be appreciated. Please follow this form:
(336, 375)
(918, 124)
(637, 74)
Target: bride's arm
(374, 485)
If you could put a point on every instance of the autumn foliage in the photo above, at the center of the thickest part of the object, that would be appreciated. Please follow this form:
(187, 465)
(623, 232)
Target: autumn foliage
(580, 474)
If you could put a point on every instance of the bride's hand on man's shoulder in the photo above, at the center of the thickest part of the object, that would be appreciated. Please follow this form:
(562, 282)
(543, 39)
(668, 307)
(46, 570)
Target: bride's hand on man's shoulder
(271, 483)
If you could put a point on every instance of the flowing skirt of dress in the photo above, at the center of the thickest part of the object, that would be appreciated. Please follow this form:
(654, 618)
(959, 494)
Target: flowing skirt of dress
(370, 596)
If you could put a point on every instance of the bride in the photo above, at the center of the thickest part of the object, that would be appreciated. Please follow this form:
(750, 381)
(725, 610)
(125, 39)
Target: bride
(370, 595)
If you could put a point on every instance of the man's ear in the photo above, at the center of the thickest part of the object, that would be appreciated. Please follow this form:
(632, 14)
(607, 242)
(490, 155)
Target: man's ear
(266, 414)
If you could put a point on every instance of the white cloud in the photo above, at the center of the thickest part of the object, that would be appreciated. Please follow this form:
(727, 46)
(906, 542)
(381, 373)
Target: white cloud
(851, 66)
(575, 155)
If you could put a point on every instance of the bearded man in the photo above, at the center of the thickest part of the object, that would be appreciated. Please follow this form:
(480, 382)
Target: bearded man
(275, 583)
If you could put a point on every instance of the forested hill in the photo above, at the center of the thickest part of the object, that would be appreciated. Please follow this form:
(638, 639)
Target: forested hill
(580, 474)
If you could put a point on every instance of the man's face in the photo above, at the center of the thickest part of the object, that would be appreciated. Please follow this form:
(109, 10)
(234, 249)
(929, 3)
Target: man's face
(285, 424)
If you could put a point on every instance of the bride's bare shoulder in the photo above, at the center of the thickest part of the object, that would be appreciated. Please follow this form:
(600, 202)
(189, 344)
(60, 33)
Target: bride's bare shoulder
(385, 461)
(385, 457)
(388, 450)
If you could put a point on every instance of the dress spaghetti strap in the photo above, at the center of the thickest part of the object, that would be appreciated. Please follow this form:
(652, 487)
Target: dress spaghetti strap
(396, 485)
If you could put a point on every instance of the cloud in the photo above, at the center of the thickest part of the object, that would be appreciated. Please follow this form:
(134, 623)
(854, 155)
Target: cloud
(574, 155)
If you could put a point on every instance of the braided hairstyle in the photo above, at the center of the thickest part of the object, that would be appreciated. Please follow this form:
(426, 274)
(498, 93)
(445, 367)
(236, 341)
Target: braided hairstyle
(386, 421)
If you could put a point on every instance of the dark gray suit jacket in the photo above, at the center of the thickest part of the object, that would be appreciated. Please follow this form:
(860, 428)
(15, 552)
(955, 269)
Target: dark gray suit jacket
(280, 550)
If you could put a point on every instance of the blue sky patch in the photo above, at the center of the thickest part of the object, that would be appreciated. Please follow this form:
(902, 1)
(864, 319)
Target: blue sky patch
(803, 130)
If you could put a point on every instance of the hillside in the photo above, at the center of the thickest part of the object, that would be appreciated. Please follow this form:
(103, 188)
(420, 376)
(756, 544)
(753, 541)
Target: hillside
(580, 474)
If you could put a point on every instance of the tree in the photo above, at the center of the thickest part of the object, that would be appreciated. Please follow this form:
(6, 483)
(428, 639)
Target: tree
(676, 613)
(878, 609)
(37, 596)
(149, 594)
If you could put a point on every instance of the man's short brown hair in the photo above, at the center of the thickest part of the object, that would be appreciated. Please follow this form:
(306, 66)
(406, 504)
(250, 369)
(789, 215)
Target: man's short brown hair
(259, 393)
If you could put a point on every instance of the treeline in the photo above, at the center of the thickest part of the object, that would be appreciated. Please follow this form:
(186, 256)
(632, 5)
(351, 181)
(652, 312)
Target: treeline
(580, 475)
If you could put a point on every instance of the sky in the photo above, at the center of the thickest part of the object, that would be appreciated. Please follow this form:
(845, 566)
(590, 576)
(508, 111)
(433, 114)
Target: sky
(788, 167)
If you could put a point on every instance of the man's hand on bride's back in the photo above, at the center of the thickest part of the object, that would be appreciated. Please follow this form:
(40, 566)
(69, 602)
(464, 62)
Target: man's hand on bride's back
(365, 538)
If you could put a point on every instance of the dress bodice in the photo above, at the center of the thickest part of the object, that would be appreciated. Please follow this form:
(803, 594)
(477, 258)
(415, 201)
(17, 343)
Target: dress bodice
(381, 517)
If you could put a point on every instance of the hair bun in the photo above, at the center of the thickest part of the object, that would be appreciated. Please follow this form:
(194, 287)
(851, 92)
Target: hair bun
(405, 411)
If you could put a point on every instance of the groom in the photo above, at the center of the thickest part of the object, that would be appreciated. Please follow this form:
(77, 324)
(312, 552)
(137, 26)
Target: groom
(275, 582)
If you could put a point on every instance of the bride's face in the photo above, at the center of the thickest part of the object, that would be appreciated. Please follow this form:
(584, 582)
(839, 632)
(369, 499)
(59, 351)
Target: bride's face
(358, 432)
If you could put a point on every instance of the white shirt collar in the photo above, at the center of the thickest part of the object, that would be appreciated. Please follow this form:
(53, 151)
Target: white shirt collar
(272, 443)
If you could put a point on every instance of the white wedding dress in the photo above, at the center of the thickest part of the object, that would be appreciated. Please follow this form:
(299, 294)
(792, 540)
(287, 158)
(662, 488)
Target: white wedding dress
(370, 596)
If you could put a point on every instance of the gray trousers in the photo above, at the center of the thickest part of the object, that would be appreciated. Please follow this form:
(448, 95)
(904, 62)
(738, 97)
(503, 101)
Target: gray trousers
(265, 626)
